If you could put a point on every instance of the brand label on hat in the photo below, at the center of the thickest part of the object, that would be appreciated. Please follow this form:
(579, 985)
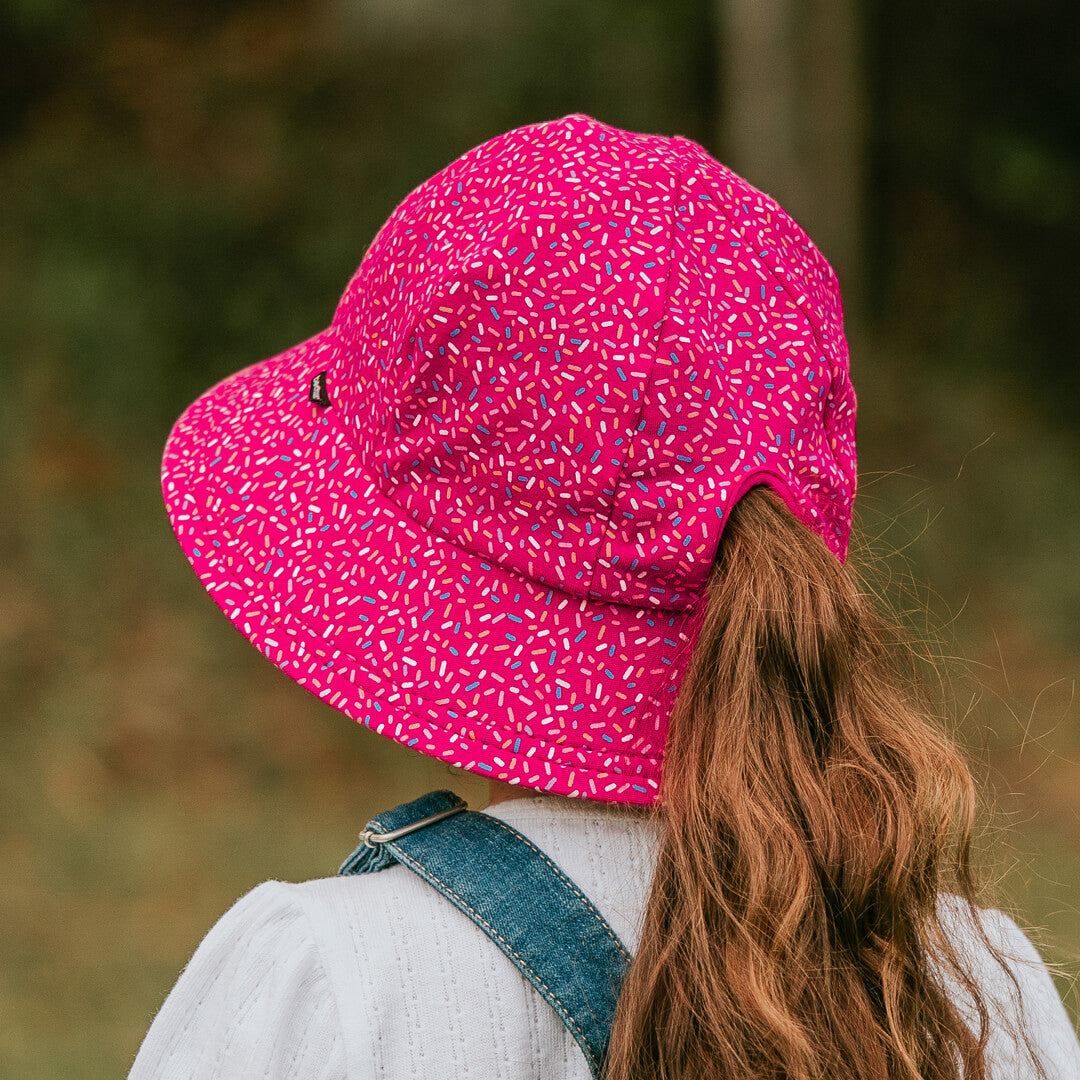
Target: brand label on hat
(318, 394)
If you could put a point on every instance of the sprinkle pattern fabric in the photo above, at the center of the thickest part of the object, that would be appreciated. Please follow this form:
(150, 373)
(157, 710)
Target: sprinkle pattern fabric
(560, 363)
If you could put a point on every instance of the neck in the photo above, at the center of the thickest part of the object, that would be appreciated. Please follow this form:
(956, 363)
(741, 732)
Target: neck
(498, 792)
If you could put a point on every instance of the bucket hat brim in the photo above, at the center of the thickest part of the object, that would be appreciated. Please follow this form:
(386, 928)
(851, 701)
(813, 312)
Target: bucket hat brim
(394, 625)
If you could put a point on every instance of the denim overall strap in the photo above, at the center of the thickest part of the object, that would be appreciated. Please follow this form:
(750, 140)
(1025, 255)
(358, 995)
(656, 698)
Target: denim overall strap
(503, 882)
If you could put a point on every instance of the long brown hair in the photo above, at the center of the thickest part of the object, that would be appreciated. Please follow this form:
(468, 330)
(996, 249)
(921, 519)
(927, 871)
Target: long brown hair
(812, 820)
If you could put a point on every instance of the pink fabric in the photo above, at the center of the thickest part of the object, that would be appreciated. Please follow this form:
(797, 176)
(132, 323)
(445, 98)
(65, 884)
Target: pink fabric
(561, 361)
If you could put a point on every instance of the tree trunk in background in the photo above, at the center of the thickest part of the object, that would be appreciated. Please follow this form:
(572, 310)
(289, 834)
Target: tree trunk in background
(793, 115)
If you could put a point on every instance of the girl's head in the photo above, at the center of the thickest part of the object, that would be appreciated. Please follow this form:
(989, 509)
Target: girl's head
(477, 513)
(561, 496)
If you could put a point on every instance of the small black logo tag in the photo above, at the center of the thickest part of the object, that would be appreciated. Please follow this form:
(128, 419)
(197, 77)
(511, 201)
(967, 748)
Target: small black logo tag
(318, 394)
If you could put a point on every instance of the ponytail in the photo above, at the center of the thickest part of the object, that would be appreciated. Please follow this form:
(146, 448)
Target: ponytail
(811, 818)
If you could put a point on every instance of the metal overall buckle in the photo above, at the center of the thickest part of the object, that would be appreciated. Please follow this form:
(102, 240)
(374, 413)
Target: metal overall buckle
(371, 838)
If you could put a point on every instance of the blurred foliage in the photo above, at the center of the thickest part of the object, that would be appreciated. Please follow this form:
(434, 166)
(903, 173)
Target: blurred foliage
(186, 188)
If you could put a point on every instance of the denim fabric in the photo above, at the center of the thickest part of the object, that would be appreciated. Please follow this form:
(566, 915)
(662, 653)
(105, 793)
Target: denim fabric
(520, 899)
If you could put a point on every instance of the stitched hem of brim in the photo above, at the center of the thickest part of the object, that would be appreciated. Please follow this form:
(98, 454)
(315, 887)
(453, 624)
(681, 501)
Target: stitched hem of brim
(369, 677)
(211, 571)
(286, 642)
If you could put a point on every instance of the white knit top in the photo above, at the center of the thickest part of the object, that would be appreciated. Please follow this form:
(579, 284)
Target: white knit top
(378, 975)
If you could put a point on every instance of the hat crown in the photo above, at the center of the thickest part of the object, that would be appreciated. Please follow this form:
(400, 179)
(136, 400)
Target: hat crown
(573, 348)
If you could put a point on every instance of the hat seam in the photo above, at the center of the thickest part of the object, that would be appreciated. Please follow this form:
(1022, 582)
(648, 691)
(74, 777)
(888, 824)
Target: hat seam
(632, 438)
(741, 230)
(835, 367)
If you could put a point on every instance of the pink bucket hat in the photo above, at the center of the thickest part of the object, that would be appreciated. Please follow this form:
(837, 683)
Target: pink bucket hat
(477, 512)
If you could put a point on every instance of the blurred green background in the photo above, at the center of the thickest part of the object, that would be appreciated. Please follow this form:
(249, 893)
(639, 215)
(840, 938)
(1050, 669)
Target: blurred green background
(186, 187)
